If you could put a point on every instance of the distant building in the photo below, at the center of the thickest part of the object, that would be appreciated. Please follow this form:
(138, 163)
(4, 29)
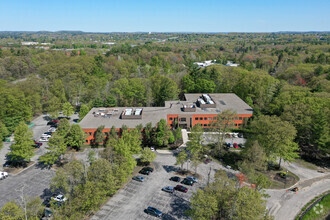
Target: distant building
(230, 63)
(196, 109)
(109, 43)
(30, 43)
(205, 63)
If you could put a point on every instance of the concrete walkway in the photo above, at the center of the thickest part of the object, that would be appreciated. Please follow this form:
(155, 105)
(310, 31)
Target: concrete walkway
(185, 138)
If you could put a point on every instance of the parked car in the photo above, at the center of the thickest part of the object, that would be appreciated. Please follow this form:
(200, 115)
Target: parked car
(241, 146)
(240, 135)
(37, 143)
(194, 179)
(234, 135)
(295, 189)
(207, 160)
(52, 129)
(152, 149)
(46, 135)
(138, 178)
(60, 198)
(144, 172)
(175, 178)
(168, 189)
(181, 188)
(153, 211)
(48, 132)
(51, 123)
(187, 182)
(3, 175)
(47, 213)
(227, 145)
(150, 169)
(43, 139)
(235, 145)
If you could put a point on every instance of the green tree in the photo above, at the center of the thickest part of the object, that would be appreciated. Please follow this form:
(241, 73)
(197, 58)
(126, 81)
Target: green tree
(84, 109)
(147, 156)
(75, 137)
(163, 89)
(99, 135)
(181, 158)
(11, 211)
(224, 123)
(67, 109)
(22, 149)
(57, 148)
(63, 127)
(276, 137)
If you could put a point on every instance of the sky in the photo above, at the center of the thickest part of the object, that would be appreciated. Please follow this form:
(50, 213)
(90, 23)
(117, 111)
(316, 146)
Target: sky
(165, 16)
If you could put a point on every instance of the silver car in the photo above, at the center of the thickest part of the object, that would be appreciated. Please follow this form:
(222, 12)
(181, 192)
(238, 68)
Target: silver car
(138, 178)
(168, 189)
(194, 179)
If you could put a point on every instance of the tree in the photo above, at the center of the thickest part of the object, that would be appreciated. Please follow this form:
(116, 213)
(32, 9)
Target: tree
(53, 106)
(181, 158)
(75, 137)
(147, 156)
(254, 156)
(84, 109)
(99, 135)
(22, 149)
(11, 211)
(163, 135)
(163, 89)
(67, 109)
(276, 137)
(177, 135)
(223, 123)
(57, 148)
(3, 133)
(63, 127)
(222, 199)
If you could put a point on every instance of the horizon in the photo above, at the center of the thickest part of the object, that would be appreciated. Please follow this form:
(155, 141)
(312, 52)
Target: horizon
(185, 16)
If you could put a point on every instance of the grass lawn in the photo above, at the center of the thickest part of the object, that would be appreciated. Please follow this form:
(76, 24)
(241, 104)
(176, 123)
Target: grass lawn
(306, 164)
(320, 211)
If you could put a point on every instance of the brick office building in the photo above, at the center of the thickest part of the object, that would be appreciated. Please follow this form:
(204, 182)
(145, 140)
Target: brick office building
(197, 108)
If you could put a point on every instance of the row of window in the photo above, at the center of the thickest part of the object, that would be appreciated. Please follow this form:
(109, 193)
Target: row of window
(205, 118)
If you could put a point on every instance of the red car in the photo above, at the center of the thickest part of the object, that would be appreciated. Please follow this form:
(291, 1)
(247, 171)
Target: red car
(181, 188)
(55, 121)
(37, 143)
(235, 145)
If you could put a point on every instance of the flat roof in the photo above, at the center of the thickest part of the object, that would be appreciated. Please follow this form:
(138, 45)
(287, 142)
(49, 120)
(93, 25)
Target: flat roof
(224, 101)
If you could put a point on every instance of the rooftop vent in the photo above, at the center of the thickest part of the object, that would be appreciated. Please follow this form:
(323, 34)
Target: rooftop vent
(222, 102)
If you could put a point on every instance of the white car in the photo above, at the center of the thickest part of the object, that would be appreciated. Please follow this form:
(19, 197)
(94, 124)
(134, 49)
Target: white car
(43, 139)
(46, 135)
(194, 179)
(52, 129)
(3, 175)
(60, 198)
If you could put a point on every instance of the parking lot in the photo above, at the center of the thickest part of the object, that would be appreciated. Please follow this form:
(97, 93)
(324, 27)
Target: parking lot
(33, 182)
(131, 201)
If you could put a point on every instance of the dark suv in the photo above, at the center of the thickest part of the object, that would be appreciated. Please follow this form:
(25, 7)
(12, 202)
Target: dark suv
(150, 169)
(188, 182)
(144, 172)
(175, 178)
(153, 211)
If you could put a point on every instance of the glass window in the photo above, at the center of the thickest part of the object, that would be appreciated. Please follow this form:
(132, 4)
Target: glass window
(214, 118)
(205, 118)
(236, 118)
(183, 119)
(200, 118)
(205, 125)
(90, 133)
(210, 118)
(240, 118)
(196, 119)
(86, 141)
(171, 119)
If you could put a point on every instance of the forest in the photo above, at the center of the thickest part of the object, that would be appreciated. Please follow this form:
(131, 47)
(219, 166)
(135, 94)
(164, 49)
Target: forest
(282, 74)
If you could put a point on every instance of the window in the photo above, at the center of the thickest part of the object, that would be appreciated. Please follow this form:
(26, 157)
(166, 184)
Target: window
(183, 119)
(196, 119)
(86, 141)
(214, 118)
(210, 118)
(200, 118)
(240, 118)
(236, 118)
(90, 133)
(171, 119)
(236, 125)
(205, 125)
(205, 118)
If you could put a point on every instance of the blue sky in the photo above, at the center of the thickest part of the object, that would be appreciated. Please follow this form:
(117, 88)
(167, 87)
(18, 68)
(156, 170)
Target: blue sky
(165, 16)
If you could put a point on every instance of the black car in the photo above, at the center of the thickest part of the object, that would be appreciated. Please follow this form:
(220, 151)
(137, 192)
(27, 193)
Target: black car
(153, 211)
(175, 178)
(51, 123)
(188, 182)
(49, 133)
(145, 172)
(150, 169)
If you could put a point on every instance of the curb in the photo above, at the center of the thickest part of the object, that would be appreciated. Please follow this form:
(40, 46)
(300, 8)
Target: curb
(24, 169)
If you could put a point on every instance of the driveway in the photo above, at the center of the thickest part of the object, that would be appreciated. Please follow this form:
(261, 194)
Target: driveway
(130, 202)
(32, 182)
(285, 204)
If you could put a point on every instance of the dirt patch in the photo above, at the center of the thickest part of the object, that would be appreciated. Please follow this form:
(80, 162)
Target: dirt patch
(15, 170)
(279, 182)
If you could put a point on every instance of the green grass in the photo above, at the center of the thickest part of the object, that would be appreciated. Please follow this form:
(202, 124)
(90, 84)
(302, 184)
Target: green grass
(306, 164)
(312, 214)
